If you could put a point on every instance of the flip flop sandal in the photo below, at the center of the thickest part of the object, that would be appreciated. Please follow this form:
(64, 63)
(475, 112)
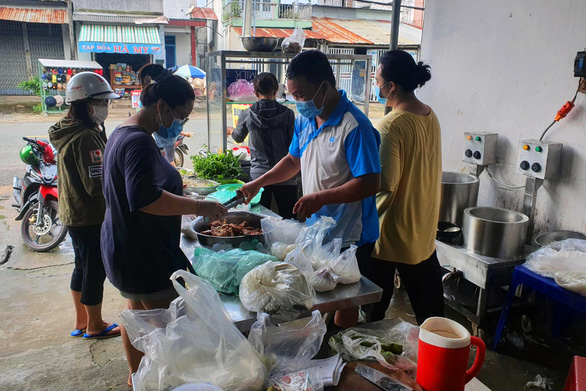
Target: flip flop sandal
(77, 332)
(104, 333)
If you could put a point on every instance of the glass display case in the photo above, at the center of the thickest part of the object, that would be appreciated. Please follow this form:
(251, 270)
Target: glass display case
(54, 76)
(228, 94)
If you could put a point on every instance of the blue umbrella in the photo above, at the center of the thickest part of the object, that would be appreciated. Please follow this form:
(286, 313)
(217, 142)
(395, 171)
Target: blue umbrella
(188, 71)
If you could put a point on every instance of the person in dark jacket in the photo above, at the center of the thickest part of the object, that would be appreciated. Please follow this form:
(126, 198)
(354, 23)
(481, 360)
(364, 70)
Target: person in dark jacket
(80, 141)
(269, 126)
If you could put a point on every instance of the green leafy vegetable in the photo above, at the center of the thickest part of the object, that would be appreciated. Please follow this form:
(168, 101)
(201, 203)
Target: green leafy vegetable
(216, 165)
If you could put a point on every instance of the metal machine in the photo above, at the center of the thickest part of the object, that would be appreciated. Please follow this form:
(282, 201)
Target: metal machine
(493, 240)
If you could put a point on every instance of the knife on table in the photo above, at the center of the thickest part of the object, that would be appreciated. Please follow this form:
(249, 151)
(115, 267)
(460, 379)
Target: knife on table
(380, 379)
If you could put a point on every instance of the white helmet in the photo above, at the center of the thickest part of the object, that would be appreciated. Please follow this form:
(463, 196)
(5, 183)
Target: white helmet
(86, 85)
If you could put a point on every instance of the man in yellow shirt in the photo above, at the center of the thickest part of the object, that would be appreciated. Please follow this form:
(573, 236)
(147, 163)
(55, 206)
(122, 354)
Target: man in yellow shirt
(409, 200)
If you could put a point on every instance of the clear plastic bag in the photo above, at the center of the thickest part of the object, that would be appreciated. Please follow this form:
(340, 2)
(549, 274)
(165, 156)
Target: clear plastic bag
(280, 235)
(276, 288)
(323, 280)
(563, 261)
(225, 269)
(345, 266)
(289, 346)
(294, 43)
(391, 342)
(294, 381)
(194, 341)
(242, 90)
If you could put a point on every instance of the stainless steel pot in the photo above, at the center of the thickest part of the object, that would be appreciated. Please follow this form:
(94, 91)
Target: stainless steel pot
(547, 238)
(495, 232)
(459, 191)
(259, 44)
(201, 224)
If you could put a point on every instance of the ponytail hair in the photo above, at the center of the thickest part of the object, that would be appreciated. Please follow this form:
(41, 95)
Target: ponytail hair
(160, 83)
(399, 67)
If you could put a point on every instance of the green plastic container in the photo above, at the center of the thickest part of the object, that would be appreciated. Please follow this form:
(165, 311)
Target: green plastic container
(228, 191)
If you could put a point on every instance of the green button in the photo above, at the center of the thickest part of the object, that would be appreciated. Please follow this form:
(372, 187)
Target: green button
(538, 149)
(478, 138)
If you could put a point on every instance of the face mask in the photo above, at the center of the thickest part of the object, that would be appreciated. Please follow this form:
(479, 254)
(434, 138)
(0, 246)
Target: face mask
(308, 108)
(172, 131)
(100, 114)
(381, 100)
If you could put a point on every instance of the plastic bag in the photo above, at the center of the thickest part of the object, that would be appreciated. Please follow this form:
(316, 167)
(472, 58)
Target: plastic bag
(276, 287)
(225, 269)
(194, 341)
(346, 266)
(294, 43)
(280, 235)
(294, 381)
(391, 342)
(563, 261)
(242, 90)
(289, 346)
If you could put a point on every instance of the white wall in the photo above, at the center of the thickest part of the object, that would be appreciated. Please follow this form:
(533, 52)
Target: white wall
(507, 67)
(182, 43)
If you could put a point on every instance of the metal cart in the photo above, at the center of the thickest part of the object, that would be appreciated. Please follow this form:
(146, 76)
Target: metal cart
(352, 72)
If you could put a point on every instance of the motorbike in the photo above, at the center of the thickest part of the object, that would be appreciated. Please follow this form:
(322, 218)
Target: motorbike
(37, 198)
(180, 151)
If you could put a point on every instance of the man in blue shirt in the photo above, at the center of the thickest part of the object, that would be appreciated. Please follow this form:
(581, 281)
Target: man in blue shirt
(336, 149)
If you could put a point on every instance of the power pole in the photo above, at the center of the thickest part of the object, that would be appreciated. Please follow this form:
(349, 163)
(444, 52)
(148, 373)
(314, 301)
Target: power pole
(395, 22)
(72, 45)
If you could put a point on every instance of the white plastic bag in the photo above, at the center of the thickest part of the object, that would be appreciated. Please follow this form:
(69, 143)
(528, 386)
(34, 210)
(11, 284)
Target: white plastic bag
(289, 346)
(193, 341)
(346, 266)
(276, 287)
(294, 43)
(564, 261)
(280, 235)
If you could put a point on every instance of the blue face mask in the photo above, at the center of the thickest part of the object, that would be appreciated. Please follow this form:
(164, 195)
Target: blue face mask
(172, 131)
(308, 108)
(381, 100)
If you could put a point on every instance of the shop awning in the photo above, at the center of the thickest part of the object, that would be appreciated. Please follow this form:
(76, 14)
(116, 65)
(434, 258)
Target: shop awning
(34, 15)
(119, 39)
(202, 13)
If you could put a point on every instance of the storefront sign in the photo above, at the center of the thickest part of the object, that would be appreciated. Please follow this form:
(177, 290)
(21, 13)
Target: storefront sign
(122, 48)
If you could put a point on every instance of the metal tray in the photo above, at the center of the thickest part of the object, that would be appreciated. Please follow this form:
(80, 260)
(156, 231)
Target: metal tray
(202, 224)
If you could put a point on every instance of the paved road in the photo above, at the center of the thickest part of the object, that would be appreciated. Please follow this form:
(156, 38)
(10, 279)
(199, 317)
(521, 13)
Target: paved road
(11, 142)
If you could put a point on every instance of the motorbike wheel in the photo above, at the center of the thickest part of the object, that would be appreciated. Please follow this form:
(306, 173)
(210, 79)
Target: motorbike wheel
(178, 157)
(43, 238)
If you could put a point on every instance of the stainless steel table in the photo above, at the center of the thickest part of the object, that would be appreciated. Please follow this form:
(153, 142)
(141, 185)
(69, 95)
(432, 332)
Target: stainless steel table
(344, 296)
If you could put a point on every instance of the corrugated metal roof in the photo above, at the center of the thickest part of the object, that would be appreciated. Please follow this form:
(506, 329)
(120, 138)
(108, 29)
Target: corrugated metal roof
(281, 33)
(202, 13)
(107, 18)
(120, 34)
(337, 34)
(34, 15)
(371, 32)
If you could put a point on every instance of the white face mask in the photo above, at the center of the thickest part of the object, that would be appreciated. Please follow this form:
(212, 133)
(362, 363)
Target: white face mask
(100, 113)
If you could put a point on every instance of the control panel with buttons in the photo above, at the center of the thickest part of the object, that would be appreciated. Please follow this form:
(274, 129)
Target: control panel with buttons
(539, 159)
(480, 148)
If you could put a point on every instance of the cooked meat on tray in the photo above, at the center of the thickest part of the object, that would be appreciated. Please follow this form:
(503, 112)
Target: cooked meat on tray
(222, 228)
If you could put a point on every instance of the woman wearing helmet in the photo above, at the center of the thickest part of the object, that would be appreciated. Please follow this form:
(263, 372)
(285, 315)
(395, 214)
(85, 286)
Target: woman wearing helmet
(80, 140)
(144, 200)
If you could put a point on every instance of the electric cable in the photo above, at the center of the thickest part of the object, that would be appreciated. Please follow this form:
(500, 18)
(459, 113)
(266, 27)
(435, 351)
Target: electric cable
(502, 184)
(563, 111)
